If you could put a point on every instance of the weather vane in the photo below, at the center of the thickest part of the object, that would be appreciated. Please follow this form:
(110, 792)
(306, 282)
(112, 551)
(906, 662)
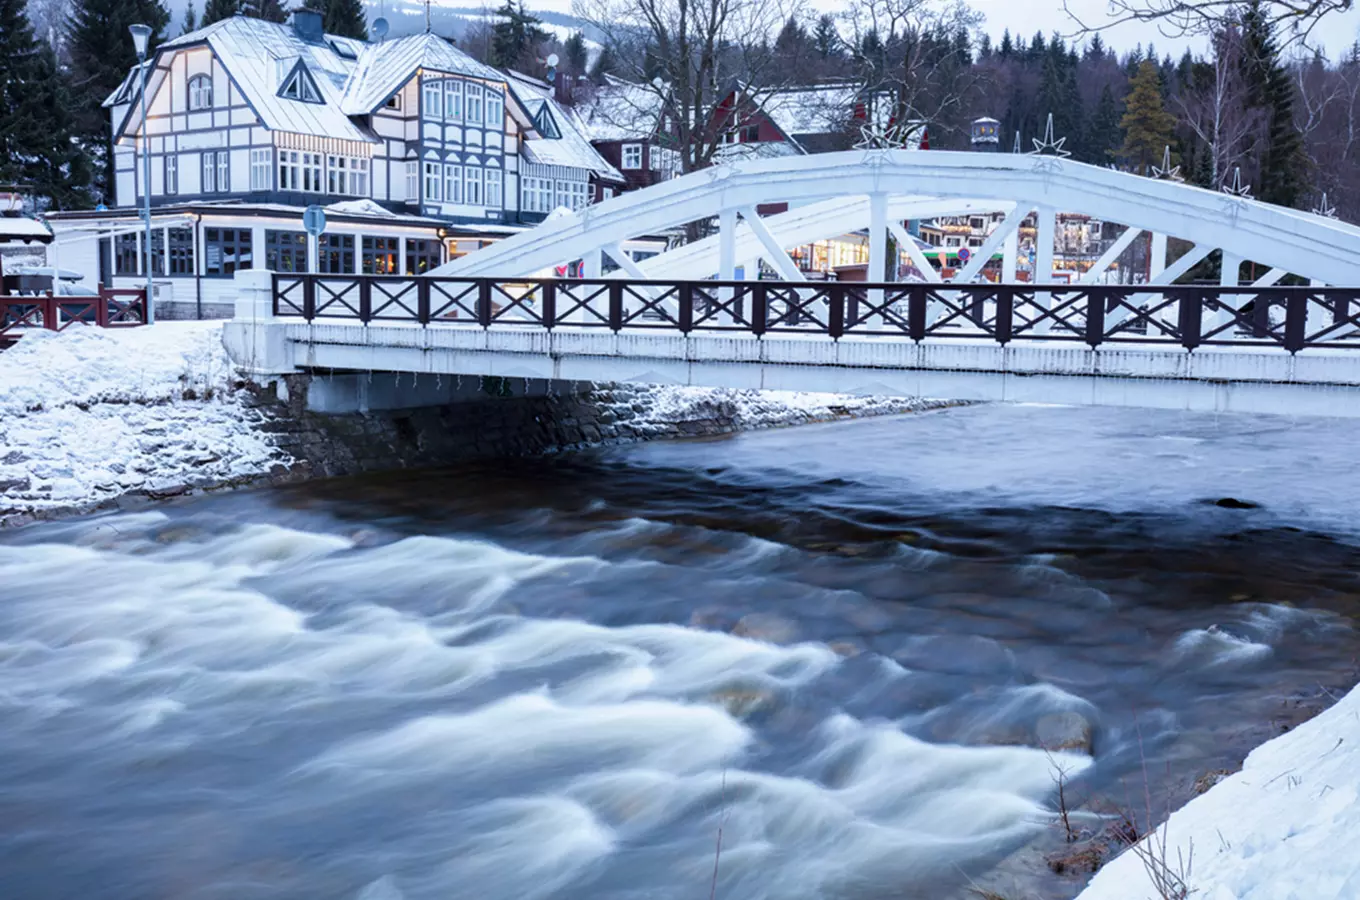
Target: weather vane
(1166, 171)
(1048, 146)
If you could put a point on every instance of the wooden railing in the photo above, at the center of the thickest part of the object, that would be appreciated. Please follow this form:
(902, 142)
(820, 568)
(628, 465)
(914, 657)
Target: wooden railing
(112, 308)
(1292, 318)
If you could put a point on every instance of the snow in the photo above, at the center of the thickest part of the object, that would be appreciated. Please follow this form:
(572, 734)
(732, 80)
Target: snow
(1284, 828)
(89, 414)
(662, 406)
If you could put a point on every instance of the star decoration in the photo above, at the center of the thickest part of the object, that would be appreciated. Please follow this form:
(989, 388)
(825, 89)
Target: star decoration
(1322, 209)
(877, 137)
(1166, 171)
(1048, 146)
(1016, 148)
(1237, 188)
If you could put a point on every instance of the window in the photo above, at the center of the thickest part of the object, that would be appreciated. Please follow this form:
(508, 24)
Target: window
(358, 177)
(223, 171)
(311, 172)
(261, 164)
(337, 174)
(453, 183)
(412, 183)
(300, 86)
(494, 193)
(472, 186)
(608, 193)
(536, 194)
(573, 194)
(343, 49)
(632, 156)
(393, 102)
(495, 109)
(285, 251)
(181, 251)
(209, 173)
(380, 255)
(171, 173)
(421, 256)
(126, 249)
(335, 254)
(225, 251)
(453, 101)
(474, 104)
(200, 92)
(288, 170)
(433, 187)
(434, 100)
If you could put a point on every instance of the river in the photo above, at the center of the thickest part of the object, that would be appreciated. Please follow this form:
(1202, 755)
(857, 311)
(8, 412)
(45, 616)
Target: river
(828, 659)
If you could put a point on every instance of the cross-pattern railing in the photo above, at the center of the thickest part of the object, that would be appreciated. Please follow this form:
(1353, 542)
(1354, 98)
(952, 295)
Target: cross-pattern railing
(110, 308)
(1188, 316)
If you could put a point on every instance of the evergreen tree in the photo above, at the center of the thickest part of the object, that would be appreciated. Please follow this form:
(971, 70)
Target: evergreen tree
(1103, 134)
(1096, 49)
(1007, 48)
(190, 22)
(1283, 163)
(605, 65)
(101, 54)
(575, 56)
(217, 10)
(515, 37)
(269, 10)
(1146, 123)
(345, 18)
(36, 149)
(826, 40)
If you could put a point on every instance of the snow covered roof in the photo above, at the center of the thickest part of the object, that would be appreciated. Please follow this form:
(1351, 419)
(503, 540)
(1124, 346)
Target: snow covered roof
(128, 89)
(816, 109)
(20, 229)
(572, 147)
(620, 110)
(382, 68)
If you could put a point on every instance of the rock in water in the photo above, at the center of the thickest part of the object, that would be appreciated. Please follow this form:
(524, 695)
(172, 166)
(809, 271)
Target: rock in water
(1064, 731)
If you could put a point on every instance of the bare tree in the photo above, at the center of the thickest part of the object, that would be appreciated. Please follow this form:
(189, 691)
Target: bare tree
(687, 58)
(1296, 18)
(1214, 106)
(914, 57)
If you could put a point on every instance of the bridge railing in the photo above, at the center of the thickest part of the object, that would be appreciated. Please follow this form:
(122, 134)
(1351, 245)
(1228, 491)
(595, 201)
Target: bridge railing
(1293, 318)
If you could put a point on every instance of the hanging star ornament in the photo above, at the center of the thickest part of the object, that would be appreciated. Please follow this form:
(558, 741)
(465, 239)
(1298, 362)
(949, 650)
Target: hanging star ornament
(1322, 209)
(1237, 188)
(1166, 171)
(878, 137)
(1048, 146)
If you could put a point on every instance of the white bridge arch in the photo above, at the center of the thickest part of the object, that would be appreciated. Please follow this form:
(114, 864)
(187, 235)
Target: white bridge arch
(833, 193)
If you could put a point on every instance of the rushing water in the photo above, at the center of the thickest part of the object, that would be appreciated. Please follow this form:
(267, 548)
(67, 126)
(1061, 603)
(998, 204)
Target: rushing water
(840, 647)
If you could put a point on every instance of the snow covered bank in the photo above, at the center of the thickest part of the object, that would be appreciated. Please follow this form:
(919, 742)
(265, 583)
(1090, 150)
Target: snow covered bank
(88, 414)
(1284, 827)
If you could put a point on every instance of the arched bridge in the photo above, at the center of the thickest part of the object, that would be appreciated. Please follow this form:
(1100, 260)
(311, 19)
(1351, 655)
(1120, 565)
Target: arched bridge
(681, 317)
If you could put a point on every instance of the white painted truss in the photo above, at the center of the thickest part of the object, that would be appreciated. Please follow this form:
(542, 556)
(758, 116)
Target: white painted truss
(875, 190)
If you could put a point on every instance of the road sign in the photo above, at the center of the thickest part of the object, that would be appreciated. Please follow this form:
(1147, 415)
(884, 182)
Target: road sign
(314, 220)
(964, 254)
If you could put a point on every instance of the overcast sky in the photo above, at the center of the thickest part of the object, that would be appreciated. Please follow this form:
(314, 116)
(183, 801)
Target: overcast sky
(1028, 16)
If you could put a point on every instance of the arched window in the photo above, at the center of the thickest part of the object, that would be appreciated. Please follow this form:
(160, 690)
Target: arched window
(200, 92)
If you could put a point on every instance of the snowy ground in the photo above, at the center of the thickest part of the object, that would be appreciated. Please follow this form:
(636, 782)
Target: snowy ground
(1284, 828)
(87, 415)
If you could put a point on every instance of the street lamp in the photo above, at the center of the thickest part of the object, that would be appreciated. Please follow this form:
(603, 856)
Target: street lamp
(141, 34)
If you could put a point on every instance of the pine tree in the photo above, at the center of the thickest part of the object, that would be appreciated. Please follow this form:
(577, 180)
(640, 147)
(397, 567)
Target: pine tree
(1283, 162)
(1007, 48)
(190, 22)
(102, 54)
(345, 18)
(515, 37)
(269, 10)
(605, 65)
(217, 10)
(36, 149)
(1096, 49)
(826, 39)
(1103, 135)
(1147, 125)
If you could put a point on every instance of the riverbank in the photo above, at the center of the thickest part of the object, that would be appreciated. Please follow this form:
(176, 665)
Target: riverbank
(95, 419)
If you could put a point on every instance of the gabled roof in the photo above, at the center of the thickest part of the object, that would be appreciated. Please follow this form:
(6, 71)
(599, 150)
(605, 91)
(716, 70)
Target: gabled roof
(620, 110)
(383, 68)
(573, 148)
(128, 89)
(813, 109)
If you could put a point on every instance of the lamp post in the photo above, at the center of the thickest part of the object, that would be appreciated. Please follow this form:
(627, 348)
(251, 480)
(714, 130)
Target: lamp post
(141, 34)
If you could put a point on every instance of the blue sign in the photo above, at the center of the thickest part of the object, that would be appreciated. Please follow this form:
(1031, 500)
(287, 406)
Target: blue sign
(964, 254)
(314, 220)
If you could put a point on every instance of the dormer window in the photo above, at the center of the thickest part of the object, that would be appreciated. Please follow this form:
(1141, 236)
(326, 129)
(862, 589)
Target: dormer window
(393, 102)
(300, 86)
(200, 92)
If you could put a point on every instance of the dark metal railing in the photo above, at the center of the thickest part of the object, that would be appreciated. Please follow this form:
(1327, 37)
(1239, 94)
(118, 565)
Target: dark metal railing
(1188, 316)
(110, 308)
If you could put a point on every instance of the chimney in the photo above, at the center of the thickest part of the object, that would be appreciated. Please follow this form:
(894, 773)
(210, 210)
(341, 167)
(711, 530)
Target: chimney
(307, 25)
